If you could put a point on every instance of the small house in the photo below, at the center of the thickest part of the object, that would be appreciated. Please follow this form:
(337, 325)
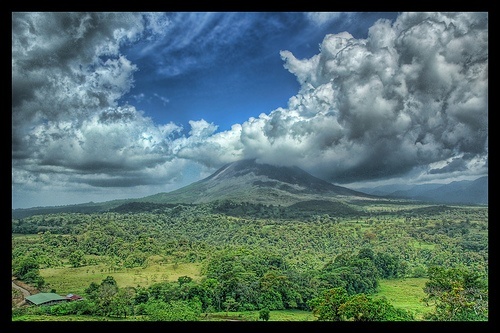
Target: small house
(45, 299)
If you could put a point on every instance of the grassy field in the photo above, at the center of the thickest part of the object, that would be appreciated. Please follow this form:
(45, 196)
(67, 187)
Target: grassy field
(422, 245)
(71, 318)
(278, 315)
(75, 280)
(406, 294)
(403, 293)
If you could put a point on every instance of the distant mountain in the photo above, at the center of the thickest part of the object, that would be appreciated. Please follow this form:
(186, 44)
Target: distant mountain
(85, 208)
(458, 192)
(249, 181)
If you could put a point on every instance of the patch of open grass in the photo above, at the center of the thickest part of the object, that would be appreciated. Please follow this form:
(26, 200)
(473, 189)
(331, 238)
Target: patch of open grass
(274, 315)
(406, 294)
(291, 315)
(422, 245)
(72, 318)
(24, 235)
(76, 280)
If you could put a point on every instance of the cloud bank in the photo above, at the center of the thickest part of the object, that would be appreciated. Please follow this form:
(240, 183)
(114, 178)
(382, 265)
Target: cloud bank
(410, 99)
(413, 96)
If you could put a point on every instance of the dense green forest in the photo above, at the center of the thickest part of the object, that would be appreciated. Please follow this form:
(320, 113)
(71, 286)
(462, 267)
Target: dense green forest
(323, 258)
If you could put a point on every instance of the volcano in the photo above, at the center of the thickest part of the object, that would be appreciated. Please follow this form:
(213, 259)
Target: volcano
(241, 181)
(250, 181)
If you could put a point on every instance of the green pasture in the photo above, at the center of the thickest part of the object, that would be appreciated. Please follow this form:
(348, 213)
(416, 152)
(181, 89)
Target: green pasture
(277, 315)
(406, 294)
(422, 245)
(33, 317)
(402, 293)
(75, 280)
(26, 236)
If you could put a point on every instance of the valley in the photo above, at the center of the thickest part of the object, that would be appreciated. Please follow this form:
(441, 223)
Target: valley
(167, 258)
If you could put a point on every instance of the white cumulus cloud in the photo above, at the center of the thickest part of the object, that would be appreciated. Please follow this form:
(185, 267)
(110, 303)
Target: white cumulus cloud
(412, 93)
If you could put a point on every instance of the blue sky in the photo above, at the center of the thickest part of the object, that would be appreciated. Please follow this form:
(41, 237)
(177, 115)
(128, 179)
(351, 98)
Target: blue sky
(127, 104)
(226, 67)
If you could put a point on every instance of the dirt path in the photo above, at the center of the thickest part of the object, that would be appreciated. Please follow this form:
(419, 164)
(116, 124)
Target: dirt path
(25, 292)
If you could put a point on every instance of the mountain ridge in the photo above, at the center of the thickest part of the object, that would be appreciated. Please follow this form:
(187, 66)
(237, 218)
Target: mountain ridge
(456, 192)
(253, 182)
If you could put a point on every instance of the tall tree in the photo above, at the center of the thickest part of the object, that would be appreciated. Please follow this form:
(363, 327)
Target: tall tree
(460, 294)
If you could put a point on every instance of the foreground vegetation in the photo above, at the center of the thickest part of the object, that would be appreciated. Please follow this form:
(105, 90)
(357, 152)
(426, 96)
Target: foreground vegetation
(238, 261)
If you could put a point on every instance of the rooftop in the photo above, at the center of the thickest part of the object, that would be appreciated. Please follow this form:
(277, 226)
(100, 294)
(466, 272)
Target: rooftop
(42, 298)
